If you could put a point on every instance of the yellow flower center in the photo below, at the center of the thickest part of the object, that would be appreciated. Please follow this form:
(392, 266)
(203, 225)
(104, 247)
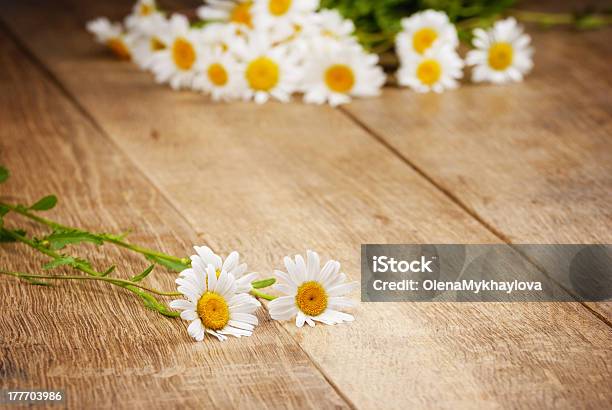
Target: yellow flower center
(500, 56)
(218, 76)
(183, 54)
(279, 7)
(429, 72)
(118, 47)
(241, 14)
(423, 39)
(311, 298)
(213, 311)
(262, 74)
(156, 44)
(145, 9)
(339, 78)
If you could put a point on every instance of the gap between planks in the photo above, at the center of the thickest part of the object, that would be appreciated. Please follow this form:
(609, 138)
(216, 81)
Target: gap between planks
(454, 199)
(88, 117)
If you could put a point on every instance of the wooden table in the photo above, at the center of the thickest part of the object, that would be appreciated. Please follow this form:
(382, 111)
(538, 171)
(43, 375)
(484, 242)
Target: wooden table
(523, 163)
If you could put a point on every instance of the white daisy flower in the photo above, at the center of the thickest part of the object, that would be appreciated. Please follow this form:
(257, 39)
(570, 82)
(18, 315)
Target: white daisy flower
(142, 14)
(503, 53)
(213, 304)
(269, 70)
(437, 70)
(282, 15)
(205, 256)
(312, 294)
(335, 72)
(227, 11)
(423, 30)
(330, 23)
(220, 75)
(176, 64)
(148, 41)
(111, 35)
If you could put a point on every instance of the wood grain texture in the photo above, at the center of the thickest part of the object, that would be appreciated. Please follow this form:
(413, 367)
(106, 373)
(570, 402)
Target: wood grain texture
(99, 344)
(532, 160)
(278, 179)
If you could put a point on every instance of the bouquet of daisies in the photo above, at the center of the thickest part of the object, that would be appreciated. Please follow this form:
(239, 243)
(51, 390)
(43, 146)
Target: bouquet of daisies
(262, 49)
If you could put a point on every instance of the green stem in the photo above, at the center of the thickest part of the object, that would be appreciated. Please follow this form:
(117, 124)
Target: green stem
(101, 236)
(262, 295)
(114, 281)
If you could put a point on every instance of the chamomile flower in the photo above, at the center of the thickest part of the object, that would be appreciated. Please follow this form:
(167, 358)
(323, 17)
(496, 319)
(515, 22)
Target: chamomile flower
(503, 54)
(213, 304)
(269, 70)
(227, 11)
(311, 293)
(205, 256)
(142, 13)
(176, 64)
(436, 70)
(424, 30)
(147, 41)
(331, 24)
(220, 75)
(282, 15)
(334, 72)
(111, 35)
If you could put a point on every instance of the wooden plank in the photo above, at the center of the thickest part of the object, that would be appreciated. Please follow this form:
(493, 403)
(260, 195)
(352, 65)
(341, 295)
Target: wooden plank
(289, 177)
(533, 160)
(99, 344)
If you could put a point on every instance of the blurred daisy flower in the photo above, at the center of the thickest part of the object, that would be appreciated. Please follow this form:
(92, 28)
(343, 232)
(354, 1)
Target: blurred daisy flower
(213, 303)
(111, 35)
(424, 30)
(282, 15)
(142, 13)
(220, 75)
(176, 63)
(503, 54)
(147, 41)
(227, 11)
(438, 69)
(269, 70)
(334, 72)
(311, 293)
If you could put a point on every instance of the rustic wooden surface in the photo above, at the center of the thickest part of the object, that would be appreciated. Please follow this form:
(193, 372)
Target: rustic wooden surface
(482, 164)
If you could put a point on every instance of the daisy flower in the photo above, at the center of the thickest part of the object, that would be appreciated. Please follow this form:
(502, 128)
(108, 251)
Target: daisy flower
(111, 35)
(220, 75)
(312, 294)
(503, 53)
(205, 256)
(213, 304)
(142, 14)
(423, 30)
(176, 63)
(336, 71)
(269, 70)
(282, 15)
(147, 41)
(437, 70)
(227, 11)
(330, 23)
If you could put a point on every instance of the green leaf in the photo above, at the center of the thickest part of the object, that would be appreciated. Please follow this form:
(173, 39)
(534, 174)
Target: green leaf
(3, 210)
(108, 271)
(61, 261)
(4, 174)
(5, 237)
(175, 266)
(264, 283)
(142, 275)
(60, 238)
(44, 204)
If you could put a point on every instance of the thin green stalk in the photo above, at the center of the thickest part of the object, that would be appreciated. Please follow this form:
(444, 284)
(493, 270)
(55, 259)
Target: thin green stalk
(262, 295)
(114, 281)
(101, 236)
